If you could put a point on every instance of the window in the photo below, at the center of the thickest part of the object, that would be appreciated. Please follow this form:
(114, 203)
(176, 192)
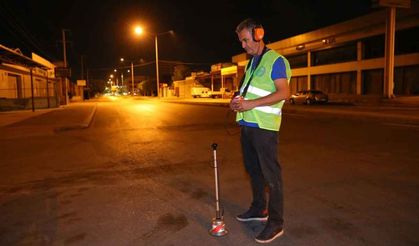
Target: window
(373, 47)
(337, 83)
(298, 60)
(298, 83)
(406, 80)
(407, 41)
(372, 82)
(335, 55)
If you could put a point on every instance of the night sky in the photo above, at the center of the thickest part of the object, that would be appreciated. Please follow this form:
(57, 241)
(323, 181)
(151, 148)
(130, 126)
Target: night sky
(101, 31)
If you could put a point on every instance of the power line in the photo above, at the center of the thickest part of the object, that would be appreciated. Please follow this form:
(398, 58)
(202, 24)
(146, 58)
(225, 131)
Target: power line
(184, 63)
(17, 27)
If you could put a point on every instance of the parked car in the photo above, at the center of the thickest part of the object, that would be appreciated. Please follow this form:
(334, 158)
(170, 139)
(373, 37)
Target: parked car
(200, 91)
(309, 97)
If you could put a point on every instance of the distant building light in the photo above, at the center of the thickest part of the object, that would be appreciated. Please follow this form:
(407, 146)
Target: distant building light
(300, 47)
(328, 40)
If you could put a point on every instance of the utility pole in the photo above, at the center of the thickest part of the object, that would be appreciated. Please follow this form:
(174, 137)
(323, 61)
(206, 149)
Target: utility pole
(64, 49)
(87, 83)
(157, 66)
(132, 78)
(82, 68)
(65, 66)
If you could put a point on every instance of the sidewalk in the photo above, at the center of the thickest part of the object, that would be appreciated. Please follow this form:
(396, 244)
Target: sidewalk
(74, 115)
(10, 117)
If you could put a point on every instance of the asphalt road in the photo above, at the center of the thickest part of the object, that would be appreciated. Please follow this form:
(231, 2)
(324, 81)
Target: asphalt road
(141, 174)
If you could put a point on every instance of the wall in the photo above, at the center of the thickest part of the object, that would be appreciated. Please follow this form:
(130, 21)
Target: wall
(16, 90)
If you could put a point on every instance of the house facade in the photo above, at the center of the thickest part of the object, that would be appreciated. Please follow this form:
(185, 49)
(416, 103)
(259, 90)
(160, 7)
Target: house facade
(25, 82)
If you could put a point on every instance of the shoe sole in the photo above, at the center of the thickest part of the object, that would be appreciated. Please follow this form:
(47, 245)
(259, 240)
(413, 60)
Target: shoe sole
(270, 240)
(253, 219)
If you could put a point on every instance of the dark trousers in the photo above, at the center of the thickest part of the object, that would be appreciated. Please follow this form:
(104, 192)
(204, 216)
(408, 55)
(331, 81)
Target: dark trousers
(260, 154)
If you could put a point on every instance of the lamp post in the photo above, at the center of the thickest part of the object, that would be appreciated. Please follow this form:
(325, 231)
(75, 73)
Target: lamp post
(111, 77)
(157, 66)
(157, 59)
(110, 80)
(138, 31)
(132, 75)
(116, 77)
(132, 78)
(122, 73)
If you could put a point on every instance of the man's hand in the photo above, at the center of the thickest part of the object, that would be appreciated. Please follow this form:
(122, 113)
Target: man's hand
(238, 104)
(235, 103)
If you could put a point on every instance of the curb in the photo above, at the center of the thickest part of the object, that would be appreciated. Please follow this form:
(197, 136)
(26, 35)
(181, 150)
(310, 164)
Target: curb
(86, 124)
(90, 117)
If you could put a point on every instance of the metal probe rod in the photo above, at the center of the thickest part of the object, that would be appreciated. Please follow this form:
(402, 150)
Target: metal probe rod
(217, 201)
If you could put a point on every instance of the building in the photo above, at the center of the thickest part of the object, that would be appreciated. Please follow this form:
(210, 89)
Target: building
(347, 60)
(26, 83)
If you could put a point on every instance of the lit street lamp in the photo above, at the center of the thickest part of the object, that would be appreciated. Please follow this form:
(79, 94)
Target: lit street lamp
(138, 31)
(157, 59)
(111, 77)
(132, 73)
(122, 73)
(116, 77)
(132, 78)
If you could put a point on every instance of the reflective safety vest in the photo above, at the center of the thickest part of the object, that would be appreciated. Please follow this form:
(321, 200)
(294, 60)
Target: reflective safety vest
(261, 84)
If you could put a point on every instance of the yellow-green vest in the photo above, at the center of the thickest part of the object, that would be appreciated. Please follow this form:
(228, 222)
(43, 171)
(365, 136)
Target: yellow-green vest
(267, 117)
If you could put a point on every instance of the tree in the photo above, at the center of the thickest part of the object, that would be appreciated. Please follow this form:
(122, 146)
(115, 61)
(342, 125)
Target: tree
(147, 87)
(180, 72)
(96, 86)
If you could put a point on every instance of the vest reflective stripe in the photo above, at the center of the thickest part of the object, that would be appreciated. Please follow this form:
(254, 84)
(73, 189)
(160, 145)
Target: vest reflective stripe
(269, 110)
(263, 93)
(257, 91)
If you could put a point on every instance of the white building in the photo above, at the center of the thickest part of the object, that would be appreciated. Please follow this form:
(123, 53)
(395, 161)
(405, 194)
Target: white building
(26, 82)
(347, 60)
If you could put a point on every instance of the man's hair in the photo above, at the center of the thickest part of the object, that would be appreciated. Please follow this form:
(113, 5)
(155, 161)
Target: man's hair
(247, 24)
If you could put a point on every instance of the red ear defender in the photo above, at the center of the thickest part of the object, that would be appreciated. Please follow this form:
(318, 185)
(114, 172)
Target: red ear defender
(258, 33)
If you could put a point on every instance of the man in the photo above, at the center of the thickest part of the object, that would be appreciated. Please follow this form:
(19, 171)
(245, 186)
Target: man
(258, 106)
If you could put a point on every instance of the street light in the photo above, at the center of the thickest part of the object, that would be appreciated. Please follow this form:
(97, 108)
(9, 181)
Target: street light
(132, 74)
(132, 78)
(122, 73)
(157, 60)
(110, 79)
(116, 77)
(138, 31)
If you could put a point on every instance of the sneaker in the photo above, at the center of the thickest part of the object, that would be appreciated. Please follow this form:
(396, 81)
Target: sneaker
(253, 215)
(269, 233)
